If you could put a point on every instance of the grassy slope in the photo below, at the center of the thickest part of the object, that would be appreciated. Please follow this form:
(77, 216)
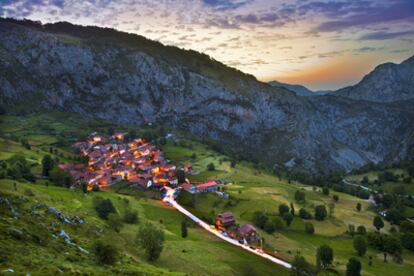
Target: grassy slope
(198, 254)
(387, 186)
(258, 191)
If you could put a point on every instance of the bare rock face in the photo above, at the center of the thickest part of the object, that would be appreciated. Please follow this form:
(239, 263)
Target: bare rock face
(108, 79)
(389, 82)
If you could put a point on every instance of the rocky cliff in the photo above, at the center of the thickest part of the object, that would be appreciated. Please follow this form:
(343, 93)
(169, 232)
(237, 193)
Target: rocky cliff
(128, 79)
(388, 82)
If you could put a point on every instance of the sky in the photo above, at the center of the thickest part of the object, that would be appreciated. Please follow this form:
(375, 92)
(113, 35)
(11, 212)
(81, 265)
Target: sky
(323, 44)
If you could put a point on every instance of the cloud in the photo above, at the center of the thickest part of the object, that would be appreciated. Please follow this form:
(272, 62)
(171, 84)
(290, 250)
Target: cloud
(399, 10)
(385, 35)
(225, 4)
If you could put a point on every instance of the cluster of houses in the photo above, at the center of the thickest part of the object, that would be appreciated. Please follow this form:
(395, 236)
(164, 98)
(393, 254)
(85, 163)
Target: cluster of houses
(227, 223)
(136, 161)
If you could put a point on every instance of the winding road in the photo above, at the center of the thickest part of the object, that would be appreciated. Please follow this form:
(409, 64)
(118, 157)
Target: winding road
(169, 198)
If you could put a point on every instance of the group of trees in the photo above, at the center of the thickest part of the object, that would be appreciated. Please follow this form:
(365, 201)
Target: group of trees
(268, 224)
(324, 260)
(16, 167)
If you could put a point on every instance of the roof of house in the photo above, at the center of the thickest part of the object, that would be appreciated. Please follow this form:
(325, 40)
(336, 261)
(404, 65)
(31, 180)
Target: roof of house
(206, 185)
(70, 166)
(245, 229)
(226, 217)
(187, 186)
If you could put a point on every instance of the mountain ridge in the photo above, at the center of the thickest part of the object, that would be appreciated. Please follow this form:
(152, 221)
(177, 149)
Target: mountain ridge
(388, 82)
(102, 78)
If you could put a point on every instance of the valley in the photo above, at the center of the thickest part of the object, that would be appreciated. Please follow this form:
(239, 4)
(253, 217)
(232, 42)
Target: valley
(250, 188)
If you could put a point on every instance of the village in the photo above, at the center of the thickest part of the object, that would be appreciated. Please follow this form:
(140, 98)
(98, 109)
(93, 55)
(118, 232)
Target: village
(142, 165)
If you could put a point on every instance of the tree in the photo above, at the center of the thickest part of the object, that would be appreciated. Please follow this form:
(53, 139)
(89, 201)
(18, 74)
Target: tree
(103, 207)
(360, 245)
(359, 207)
(304, 214)
(353, 267)
(130, 216)
(300, 266)
(300, 196)
(288, 218)
(351, 229)
(151, 239)
(407, 227)
(392, 245)
(331, 207)
(180, 176)
(115, 222)
(47, 164)
(325, 190)
(309, 228)
(211, 167)
(84, 187)
(394, 216)
(184, 232)
(324, 256)
(378, 223)
(292, 209)
(365, 180)
(60, 177)
(407, 240)
(105, 253)
(320, 212)
(269, 227)
(278, 224)
(259, 219)
(361, 230)
(283, 208)
(387, 201)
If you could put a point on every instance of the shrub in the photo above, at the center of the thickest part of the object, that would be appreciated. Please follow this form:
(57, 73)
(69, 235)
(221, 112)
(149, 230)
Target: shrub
(304, 214)
(361, 230)
(278, 223)
(283, 208)
(269, 227)
(211, 167)
(151, 239)
(353, 267)
(130, 216)
(309, 228)
(300, 196)
(103, 207)
(407, 240)
(320, 212)
(288, 218)
(184, 231)
(359, 207)
(47, 164)
(325, 190)
(105, 253)
(324, 256)
(378, 223)
(301, 267)
(259, 219)
(60, 177)
(360, 245)
(115, 222)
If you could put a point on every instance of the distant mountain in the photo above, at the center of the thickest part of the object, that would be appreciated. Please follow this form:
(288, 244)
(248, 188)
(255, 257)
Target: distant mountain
(299, 90)
(126, 78)
(388, 82)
